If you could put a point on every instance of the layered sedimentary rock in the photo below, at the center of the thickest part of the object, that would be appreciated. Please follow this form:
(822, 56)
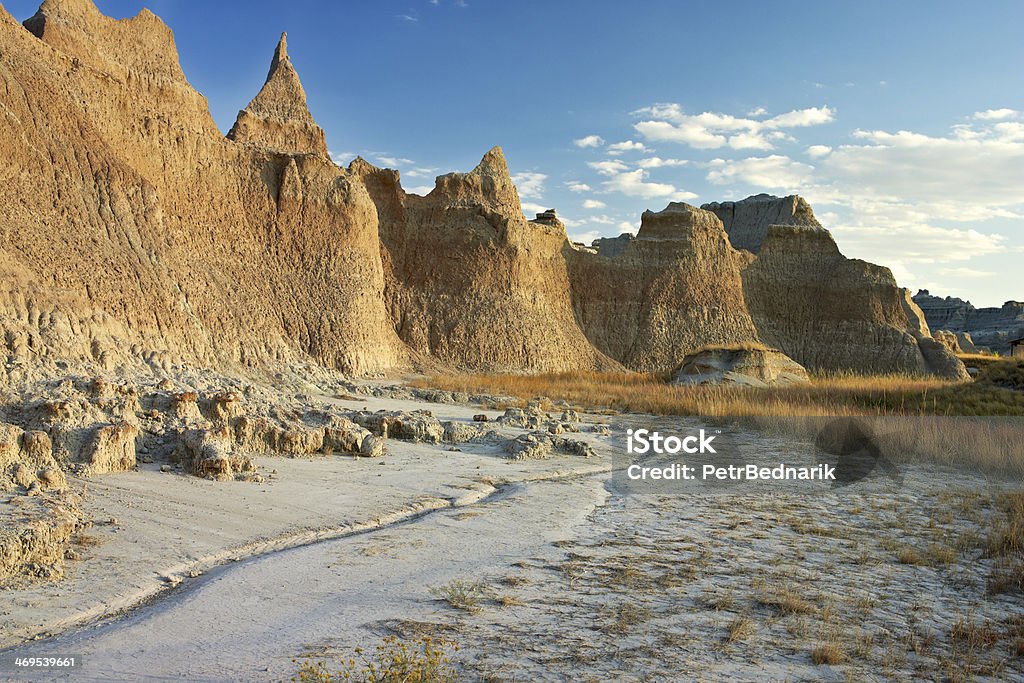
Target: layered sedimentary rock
(990, 328)
(828, 312)
(471, 283)
(278, 118)
(136, 236)
(751, 366)
(747, 221)
(672, 289)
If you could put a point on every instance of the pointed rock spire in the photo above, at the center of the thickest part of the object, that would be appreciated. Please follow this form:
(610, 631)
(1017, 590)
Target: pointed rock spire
(278, 116)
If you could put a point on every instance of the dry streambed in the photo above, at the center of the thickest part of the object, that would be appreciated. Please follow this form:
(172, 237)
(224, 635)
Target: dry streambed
(548, 576)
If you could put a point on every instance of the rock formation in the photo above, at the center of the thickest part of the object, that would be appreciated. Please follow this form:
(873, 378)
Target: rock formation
(470, 282)
(989, 328)
(672, 289)
(168, 242)
(747, 221)
(750, 366)
(828, 312)
(278, 118)
(138, 239)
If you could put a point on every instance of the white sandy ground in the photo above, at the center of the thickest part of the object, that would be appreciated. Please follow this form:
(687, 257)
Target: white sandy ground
(151, 525)
(611, 588)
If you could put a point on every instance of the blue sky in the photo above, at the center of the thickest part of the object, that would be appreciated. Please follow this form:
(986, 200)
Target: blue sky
(900, 122)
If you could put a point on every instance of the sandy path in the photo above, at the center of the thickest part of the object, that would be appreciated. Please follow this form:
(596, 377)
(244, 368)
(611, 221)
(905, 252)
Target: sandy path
(247, 621)
(151, 525)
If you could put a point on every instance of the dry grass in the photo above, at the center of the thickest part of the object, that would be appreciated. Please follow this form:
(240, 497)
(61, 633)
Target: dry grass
(467, 596)
(996, 391)
(787, 601)
(1006, 543)
(741, 628)
(908, 404)
(650, 393)
(828, 653)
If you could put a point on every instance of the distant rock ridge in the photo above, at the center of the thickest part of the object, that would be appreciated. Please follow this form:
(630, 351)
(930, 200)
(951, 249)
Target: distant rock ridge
(278, 117)
(991, 328)
(747, 221)
(673, 288)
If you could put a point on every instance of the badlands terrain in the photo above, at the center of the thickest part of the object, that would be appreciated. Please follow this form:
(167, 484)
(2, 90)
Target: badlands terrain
(232, 436)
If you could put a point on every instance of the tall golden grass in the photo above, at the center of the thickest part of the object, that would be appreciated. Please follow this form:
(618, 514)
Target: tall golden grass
(910, 409)
(650, 393)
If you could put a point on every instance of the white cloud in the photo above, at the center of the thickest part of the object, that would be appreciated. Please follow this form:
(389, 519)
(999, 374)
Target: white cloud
(694, 135)
(420, 189)
(593, 204)
(631, 228)
(775, 171)
(608, 167)
(531, 207)
(585, 237)
(601, 219)
(919, 243)
(963, 271)
(530, 184)
(801, 118)
(392, 161)
(712, 130)
(420, 172)
(996, 114)
(658, 162)
(626, 146)
(749, 141)
(634, 184)
(577, 186)
(589, 141)
(342, 158)
(818, 151)
(760, 111)
(971, 174)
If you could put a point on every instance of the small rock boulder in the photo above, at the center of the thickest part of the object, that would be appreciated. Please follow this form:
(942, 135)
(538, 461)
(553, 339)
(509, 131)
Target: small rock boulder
(753, 366)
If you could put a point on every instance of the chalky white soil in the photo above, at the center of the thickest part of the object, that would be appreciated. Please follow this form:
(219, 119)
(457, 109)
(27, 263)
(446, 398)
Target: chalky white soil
(572, 581)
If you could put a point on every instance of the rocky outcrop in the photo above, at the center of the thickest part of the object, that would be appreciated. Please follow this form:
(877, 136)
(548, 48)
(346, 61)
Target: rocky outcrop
(470, 282)
(750, 366)
(170, 243)
(989, 328)
(747, 221)
(27, 462)
(949, 340)
(278, 117)
(672, 289)
(828, 312)
(138, 240)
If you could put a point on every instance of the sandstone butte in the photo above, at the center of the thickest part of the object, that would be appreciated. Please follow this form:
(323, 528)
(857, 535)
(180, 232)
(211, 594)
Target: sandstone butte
(137, 238)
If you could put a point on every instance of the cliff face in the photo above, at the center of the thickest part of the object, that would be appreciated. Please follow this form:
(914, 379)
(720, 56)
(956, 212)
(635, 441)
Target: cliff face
(673, 289)
(987, 327)
(828, 312)
(137, 238)
(747, 221)
(135, 234)
(471, 283)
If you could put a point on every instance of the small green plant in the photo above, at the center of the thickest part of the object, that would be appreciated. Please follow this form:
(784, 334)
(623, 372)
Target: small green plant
(421, 660)
(464, 595)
